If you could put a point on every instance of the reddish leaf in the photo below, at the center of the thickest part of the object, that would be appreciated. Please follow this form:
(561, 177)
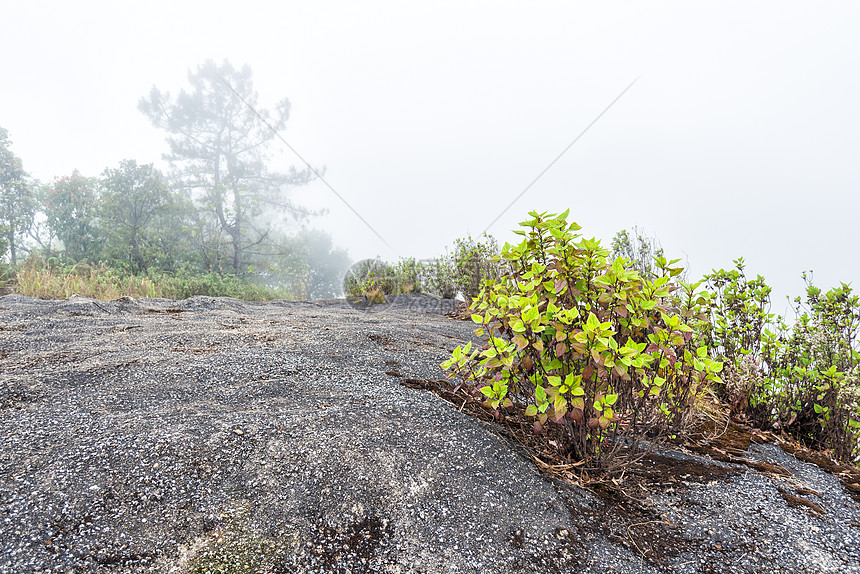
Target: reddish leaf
(587, 372)
(527, 363)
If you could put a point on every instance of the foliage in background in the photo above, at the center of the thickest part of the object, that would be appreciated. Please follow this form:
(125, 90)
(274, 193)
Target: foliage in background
(464, 270)
(17, 203)
(327, 265)
(473, 264)
(599, 355)
(71, 207)
(638, 249)
(370, 278)
(217, 215)
(55, 280)
(132, 196)
(210, 228)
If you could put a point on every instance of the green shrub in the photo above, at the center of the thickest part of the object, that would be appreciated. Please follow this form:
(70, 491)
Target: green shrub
(473, 265)
(441, 277)
(464, 270)
(370, 275)
(800, 378)
(739, 312)
(812, 387)
(584, 348)
(188, 282)
(408, 276)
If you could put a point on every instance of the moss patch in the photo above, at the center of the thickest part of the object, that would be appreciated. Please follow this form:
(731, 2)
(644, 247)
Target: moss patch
(234, 547)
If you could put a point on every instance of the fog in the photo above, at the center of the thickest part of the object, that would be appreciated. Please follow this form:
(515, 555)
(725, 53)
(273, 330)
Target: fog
(739, 139)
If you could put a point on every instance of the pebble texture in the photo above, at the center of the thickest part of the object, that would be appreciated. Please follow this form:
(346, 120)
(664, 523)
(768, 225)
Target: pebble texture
(187, 436)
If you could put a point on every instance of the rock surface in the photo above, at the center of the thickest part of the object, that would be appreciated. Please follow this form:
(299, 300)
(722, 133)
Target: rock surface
(217, 435)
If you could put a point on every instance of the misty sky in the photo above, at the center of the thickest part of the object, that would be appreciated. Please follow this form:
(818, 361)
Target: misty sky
(740, 138)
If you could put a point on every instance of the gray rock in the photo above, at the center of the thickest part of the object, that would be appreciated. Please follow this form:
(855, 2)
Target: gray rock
(160, 436)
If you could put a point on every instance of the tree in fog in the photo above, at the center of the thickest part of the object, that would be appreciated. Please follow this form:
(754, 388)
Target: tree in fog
(132, 195)
(17, 204)
(218, 149)
(286, 265)
(71, 206)
(327, 265)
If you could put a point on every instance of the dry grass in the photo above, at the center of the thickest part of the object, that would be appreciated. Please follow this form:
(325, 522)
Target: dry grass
(107, 283)
(96, 283)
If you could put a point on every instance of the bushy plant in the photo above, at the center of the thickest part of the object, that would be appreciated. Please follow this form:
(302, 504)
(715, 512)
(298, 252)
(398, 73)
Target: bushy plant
(463, 270)
(440, 279)
(739, 311)
(408, 275)
(800, 378)
(367, 276)
(472, 263)
(812, 388)
(595, 353)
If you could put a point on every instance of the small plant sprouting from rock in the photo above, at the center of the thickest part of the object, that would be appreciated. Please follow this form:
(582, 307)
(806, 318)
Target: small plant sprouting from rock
(606, 356)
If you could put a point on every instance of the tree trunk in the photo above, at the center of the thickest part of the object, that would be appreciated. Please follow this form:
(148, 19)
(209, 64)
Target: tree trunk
(12, 255)
(237, 230)
(135, 250)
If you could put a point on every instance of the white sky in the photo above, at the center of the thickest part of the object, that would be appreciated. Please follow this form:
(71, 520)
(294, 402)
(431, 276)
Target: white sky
(741, 137)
